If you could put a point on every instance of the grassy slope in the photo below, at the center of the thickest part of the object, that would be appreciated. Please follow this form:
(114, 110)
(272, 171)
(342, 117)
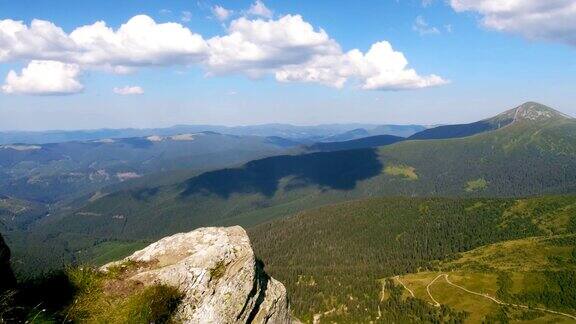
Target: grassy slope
(535, 272)
(332, 257)
(86, 295)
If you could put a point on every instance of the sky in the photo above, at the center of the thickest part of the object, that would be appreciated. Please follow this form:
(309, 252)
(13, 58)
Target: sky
(157, 63)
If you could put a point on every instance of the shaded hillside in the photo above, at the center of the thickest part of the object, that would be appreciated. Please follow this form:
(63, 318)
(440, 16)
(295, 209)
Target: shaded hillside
(52, 172)
(8, 280)
(347, 136)
(454, 131)
(528, 157)
(333, 256)
(366, 142)
(393, 130)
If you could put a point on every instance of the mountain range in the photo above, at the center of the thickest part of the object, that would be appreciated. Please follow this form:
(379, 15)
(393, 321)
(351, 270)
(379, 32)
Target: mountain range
(307, 134)
(323, 215)
(50, 173)
(531, 153)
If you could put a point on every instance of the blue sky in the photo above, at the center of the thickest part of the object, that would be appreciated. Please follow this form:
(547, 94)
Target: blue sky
(469, 62)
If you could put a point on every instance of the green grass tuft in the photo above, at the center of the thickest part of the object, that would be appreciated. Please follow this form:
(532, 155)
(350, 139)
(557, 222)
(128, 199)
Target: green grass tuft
(218, 271)
(476, 185)
(102, 298)
(404, 171)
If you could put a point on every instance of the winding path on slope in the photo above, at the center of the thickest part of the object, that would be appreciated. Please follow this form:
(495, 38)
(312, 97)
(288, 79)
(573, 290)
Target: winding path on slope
(436, 303)
(445, 276)
(403, 285)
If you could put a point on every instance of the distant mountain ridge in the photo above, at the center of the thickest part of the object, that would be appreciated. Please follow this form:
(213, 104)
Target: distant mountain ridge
(533, 156)
(299, 133)
(365, 142)
(52, 172)
(393, 130)
(529, 111)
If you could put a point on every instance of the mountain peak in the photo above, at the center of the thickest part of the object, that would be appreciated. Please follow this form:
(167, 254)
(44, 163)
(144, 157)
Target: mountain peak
(534, 111)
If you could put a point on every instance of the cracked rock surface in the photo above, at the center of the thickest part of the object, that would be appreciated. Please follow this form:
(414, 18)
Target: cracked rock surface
(216, 270)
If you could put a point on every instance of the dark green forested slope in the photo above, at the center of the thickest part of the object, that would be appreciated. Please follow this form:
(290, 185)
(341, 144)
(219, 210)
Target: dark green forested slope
(485, 125)
(365, 142)
(534, 154)
(332, 257)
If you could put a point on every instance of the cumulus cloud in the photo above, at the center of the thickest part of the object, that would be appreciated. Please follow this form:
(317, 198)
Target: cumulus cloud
(257, 46)
(422, 27)
(140, 41)
(41, 40)
(381, 68)
(259, 9)
(288, 48)
(331, 70)
(553, 20)
(128, 90)
(221, 13)
(44, 78)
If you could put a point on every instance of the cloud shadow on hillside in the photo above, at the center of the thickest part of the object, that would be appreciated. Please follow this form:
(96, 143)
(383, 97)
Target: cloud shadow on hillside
(339, 170)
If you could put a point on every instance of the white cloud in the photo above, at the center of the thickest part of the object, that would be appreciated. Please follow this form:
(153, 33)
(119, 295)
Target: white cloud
(289, 48)
(258, 8)
(553, 20)
(221, 13)
(42, 40)
(44, 78)
(381, 68)
(422, 27)
(128, 90)
(331, 70)
(140, 41)
(257, 46)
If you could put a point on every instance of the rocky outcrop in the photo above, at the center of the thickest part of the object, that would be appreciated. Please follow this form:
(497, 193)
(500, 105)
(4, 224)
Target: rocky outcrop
(8, 281)
(216, 270)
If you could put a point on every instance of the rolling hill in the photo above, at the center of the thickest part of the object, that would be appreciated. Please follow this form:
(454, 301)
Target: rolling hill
(345, 257)
(534, 154)
(529, 110)
(517, 280)
(49, 173)
(527, 157)
(365, 142)
(18, 214)
(329, 132)
(394, 130)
